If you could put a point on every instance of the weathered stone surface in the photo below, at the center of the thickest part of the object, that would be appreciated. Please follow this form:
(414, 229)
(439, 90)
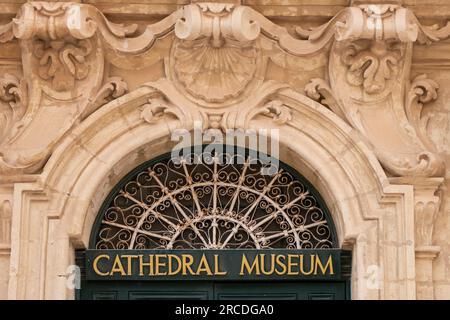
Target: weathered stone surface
(90, 90)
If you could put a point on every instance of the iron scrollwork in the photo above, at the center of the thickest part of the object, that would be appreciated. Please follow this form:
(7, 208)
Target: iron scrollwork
(219, 202)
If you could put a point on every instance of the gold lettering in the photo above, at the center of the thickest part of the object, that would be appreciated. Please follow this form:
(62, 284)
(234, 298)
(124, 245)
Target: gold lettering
(292, 264)
(263, 264)
(203, 266)
(322, 268)
(188, 260)
(246, 265)
(217, 272)
(117, 267)
(95, 265)
(159, 264)
(143, 264)
(302, 266)
(281, 264)
(129, 257)
(171, 257)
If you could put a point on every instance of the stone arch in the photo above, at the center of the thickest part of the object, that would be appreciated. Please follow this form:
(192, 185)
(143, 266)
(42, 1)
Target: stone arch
(371, 216)
(213, 197)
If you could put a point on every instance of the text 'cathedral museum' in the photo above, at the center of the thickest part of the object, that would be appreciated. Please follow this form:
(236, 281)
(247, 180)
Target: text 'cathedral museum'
(177, 149)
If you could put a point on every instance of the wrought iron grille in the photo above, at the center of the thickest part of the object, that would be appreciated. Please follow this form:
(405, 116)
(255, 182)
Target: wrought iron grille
(218, 202)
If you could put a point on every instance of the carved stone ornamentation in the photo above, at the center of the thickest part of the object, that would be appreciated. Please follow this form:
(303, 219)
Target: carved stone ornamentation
(372, 63)
(319, 90)
(422, 91)
(214, 74)
(369, 70)
(364, 76)
(13, 97)
(216, 57)
(63, 66)
(157, 108)
(114, 88)
(427, 203)
(62, 62)
(5, 223)
(217, 22)
(276, 109)
(266, 105)
(60, 20)
(370, 88)
(375, 22)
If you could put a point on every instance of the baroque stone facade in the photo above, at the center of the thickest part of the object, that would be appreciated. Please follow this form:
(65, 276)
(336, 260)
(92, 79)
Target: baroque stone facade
(357, 89)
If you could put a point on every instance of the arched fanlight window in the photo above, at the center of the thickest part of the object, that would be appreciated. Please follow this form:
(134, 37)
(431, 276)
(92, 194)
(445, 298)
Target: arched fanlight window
(213, 201)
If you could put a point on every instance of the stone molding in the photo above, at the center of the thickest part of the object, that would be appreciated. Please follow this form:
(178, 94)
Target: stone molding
(427, 203)
(5, 224)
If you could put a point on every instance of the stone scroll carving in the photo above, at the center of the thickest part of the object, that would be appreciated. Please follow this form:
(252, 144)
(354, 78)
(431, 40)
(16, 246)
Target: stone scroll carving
(369, 84)
(167, 101)
(216, 61)
(63, 69)
(13, 102)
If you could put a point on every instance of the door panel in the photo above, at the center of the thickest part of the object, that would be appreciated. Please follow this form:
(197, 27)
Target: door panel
(169, 295)
(207, 290)
(135, 290)
(280, 291)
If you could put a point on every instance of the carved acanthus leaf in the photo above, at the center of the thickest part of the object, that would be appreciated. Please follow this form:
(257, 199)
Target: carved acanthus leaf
(433, 33)
(13, 93)
(277, 110)
(423, 90)
(319, 90)
(157, 108)
(114, 88)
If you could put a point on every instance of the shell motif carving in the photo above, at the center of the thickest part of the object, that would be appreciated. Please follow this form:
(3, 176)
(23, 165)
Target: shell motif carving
(213, 73)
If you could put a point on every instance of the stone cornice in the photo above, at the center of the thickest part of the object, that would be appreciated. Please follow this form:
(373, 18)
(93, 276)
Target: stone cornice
(56, 20)
(430, 9)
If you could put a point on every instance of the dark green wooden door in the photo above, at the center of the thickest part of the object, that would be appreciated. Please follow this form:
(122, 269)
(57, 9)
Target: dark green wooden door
(280, 291)
(208, 290)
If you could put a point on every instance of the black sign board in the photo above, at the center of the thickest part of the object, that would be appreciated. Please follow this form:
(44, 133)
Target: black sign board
(270, 264)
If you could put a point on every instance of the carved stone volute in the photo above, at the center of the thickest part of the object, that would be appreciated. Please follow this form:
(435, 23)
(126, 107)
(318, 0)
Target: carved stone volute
(217, 21)
(369, 84)
(63, 68)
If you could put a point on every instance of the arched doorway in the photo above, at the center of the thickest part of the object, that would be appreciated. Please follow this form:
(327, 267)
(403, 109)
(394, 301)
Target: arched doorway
(370, 214)
(228, 205)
